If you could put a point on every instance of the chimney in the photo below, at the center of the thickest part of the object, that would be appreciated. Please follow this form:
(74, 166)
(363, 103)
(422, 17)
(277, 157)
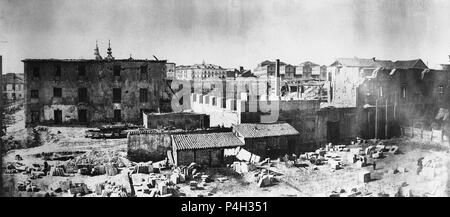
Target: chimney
(277, 81)
(241, 69)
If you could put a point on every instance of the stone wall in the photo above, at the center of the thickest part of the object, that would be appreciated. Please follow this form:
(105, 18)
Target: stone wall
(99, 81)
(148, 146)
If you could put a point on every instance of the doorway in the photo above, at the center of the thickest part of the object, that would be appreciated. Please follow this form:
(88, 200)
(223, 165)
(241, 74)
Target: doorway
(333, 134)
(82, 116)
(57, 114)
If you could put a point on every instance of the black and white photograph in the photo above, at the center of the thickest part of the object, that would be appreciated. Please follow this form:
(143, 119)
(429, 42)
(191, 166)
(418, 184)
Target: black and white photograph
(225, 99)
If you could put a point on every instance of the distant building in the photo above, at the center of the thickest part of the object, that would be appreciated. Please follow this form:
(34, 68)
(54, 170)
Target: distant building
(88, 91)
(199, 72)
(170, 70)
(12, 85)
(309, 70)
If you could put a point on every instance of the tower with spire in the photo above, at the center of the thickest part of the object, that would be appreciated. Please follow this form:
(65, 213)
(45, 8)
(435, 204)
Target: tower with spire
(96, 52)
(109, 57)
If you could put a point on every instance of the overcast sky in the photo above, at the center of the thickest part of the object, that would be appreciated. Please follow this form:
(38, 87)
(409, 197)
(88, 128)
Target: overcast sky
(230, 33)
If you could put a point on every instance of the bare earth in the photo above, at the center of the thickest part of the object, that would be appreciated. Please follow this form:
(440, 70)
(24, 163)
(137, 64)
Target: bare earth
(295, 181)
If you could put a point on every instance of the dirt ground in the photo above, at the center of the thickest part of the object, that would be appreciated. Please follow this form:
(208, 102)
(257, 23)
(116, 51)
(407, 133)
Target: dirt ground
(295, 181)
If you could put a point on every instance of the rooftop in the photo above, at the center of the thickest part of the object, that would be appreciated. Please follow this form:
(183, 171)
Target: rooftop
(91, 60)
(375, 63)
(205, 141)
(265, 130)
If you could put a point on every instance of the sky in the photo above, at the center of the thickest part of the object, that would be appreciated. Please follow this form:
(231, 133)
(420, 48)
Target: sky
(230, 33)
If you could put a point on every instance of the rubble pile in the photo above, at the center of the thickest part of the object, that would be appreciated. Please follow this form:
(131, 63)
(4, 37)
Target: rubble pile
(96, 163)
(111, 189)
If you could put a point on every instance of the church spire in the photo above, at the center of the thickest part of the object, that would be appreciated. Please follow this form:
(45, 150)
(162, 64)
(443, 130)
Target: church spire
(109, 57)
(96, 52)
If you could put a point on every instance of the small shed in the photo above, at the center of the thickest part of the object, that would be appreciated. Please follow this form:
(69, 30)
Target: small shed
(202, 148)
(268, 140)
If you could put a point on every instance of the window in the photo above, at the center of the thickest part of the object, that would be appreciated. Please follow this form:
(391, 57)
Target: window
(36, 73)
(57, 92)
(117, 95)
(81, 70)
(403, 91)
(143, 95)
(214, 101)
(117, 115)
(194, 98)
(82, 95)
(34, 94)
(13, 96)
(144, 71)
(441, 89)
(116, 70)
(58, 71)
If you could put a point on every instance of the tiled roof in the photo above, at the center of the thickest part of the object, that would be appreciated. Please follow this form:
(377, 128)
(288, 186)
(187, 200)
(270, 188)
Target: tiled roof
(410, 64)
(265, 130)
(205, 141)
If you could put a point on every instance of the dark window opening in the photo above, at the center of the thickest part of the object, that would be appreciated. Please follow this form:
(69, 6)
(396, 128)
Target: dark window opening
(117, 95)
(441, 89)
(57, 92)
(58, 71)
(116, 70)
(34, 94)
(81, 70)
(214, 101)
(82, 94)
(144, 71)
(143, 95)
(224, 102)
(36, 73)
(117, 115)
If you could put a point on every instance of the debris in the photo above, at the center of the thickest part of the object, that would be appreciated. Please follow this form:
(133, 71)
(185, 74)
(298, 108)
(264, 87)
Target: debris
(222, 179)
(111, 170)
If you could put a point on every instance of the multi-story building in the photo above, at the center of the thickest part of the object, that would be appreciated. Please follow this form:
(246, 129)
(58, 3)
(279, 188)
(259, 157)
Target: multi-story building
(309, 70)
(200, 71)
(387, 94)
(88, 91)
(12, 85)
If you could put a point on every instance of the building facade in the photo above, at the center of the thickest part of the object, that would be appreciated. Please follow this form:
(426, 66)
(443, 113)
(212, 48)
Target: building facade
(199, 72)
(13, 88)
(89, 91)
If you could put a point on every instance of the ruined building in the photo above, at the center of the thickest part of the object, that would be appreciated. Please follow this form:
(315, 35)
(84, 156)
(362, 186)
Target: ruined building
(382, 95)
(89, 91)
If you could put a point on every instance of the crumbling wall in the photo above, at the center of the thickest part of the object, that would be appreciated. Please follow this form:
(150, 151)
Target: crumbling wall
(148, 146)
(178, 120)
